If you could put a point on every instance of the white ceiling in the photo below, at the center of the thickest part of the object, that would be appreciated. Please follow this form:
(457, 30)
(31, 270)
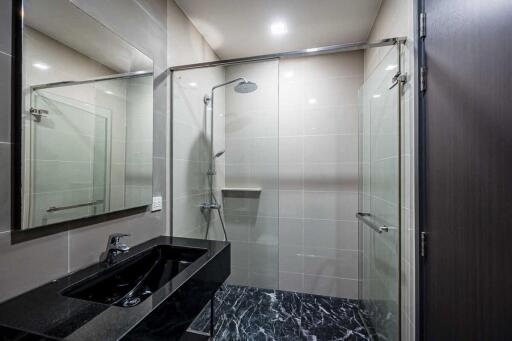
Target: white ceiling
(241, 28)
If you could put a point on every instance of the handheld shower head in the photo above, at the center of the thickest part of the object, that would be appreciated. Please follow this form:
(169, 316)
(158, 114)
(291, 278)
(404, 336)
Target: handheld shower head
(245, 87)
(219, 154)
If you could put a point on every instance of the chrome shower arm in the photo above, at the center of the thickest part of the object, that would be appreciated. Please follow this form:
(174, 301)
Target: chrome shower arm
(228, 82)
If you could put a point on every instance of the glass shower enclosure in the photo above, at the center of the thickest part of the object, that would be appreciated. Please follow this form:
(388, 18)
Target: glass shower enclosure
(380, 196)
(260, 175)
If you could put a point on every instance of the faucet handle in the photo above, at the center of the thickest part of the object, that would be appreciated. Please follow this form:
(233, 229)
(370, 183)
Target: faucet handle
(115, 238)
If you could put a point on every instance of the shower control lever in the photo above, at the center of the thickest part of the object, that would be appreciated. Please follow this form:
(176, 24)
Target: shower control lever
(209, 206)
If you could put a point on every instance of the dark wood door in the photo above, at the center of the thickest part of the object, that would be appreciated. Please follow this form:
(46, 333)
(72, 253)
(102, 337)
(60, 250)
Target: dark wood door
(467, 212)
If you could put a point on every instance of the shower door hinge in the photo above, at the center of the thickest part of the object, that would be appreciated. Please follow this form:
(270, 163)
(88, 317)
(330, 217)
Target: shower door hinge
(38, 113)
(398, 78)
(423, 79)
(423, 246)
(423, 25)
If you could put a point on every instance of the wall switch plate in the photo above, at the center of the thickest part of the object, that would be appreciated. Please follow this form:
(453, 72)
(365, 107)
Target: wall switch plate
(157, 204)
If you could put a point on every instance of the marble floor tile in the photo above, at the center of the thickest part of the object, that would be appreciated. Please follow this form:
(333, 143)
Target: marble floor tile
(247, 313)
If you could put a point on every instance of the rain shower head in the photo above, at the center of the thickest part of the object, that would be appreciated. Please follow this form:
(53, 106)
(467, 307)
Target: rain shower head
(245, 87)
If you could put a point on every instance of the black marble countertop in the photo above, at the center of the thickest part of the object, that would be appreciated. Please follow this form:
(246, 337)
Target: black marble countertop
(46, 312)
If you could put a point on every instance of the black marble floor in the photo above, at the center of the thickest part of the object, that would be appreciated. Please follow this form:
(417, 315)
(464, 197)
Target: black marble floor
(246, 313)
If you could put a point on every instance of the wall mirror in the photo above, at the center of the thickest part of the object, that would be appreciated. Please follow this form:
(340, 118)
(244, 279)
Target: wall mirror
(87, 117)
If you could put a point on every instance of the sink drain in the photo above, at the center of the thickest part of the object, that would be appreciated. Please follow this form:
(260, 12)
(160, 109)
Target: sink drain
(131, 302)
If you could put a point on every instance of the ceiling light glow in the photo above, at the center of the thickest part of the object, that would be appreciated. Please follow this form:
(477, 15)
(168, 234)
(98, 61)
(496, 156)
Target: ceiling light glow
(312, 101)
(278, 28)
(313, 49)
(41, 66)
(288, 74)
(377, 96)
(391, 67)
(108, 92)
(192, 84)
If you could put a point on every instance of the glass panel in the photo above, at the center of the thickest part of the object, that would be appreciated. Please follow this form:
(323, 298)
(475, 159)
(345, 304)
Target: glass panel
(379, 197)
(246, 175)
(191, 151)
(252, 163)
(100, 163)
(131, 137)
(67, 174)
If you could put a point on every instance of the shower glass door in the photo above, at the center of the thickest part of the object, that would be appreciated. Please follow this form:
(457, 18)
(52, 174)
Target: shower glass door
(379, 197)
(67, 181)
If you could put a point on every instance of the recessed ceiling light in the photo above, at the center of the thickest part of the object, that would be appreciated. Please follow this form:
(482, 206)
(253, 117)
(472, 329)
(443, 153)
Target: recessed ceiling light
(312, 101)
(376, 96)
(192, 84)
(41, 66)
(391, 67)
(108, 92)
(278, 28)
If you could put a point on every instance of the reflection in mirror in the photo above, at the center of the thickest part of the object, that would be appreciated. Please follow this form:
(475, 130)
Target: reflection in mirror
(88, 117)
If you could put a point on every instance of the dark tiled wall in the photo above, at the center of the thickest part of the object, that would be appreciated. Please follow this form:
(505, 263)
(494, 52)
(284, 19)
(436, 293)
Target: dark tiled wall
(29, 264)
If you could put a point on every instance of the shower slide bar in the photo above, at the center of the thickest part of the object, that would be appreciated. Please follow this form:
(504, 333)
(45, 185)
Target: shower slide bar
(62, 208)
(365, 218)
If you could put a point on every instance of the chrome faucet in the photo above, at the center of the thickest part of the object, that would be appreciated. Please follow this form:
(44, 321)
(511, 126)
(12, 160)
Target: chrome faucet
(114, 248)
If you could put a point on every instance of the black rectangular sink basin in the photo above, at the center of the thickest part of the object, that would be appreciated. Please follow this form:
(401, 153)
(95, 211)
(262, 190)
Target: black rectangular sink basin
(152, 292)
(133, 280)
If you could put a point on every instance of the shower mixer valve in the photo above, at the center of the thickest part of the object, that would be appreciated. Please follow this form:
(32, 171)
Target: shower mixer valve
(243, 86)
(209, 206)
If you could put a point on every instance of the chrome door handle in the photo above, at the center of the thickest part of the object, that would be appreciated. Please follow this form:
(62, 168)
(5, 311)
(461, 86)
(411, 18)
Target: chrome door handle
(364, 217)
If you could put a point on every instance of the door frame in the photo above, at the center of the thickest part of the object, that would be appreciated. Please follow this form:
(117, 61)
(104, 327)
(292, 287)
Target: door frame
(419, 167)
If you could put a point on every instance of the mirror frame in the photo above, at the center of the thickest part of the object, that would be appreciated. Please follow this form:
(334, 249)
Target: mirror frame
(18, 234)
